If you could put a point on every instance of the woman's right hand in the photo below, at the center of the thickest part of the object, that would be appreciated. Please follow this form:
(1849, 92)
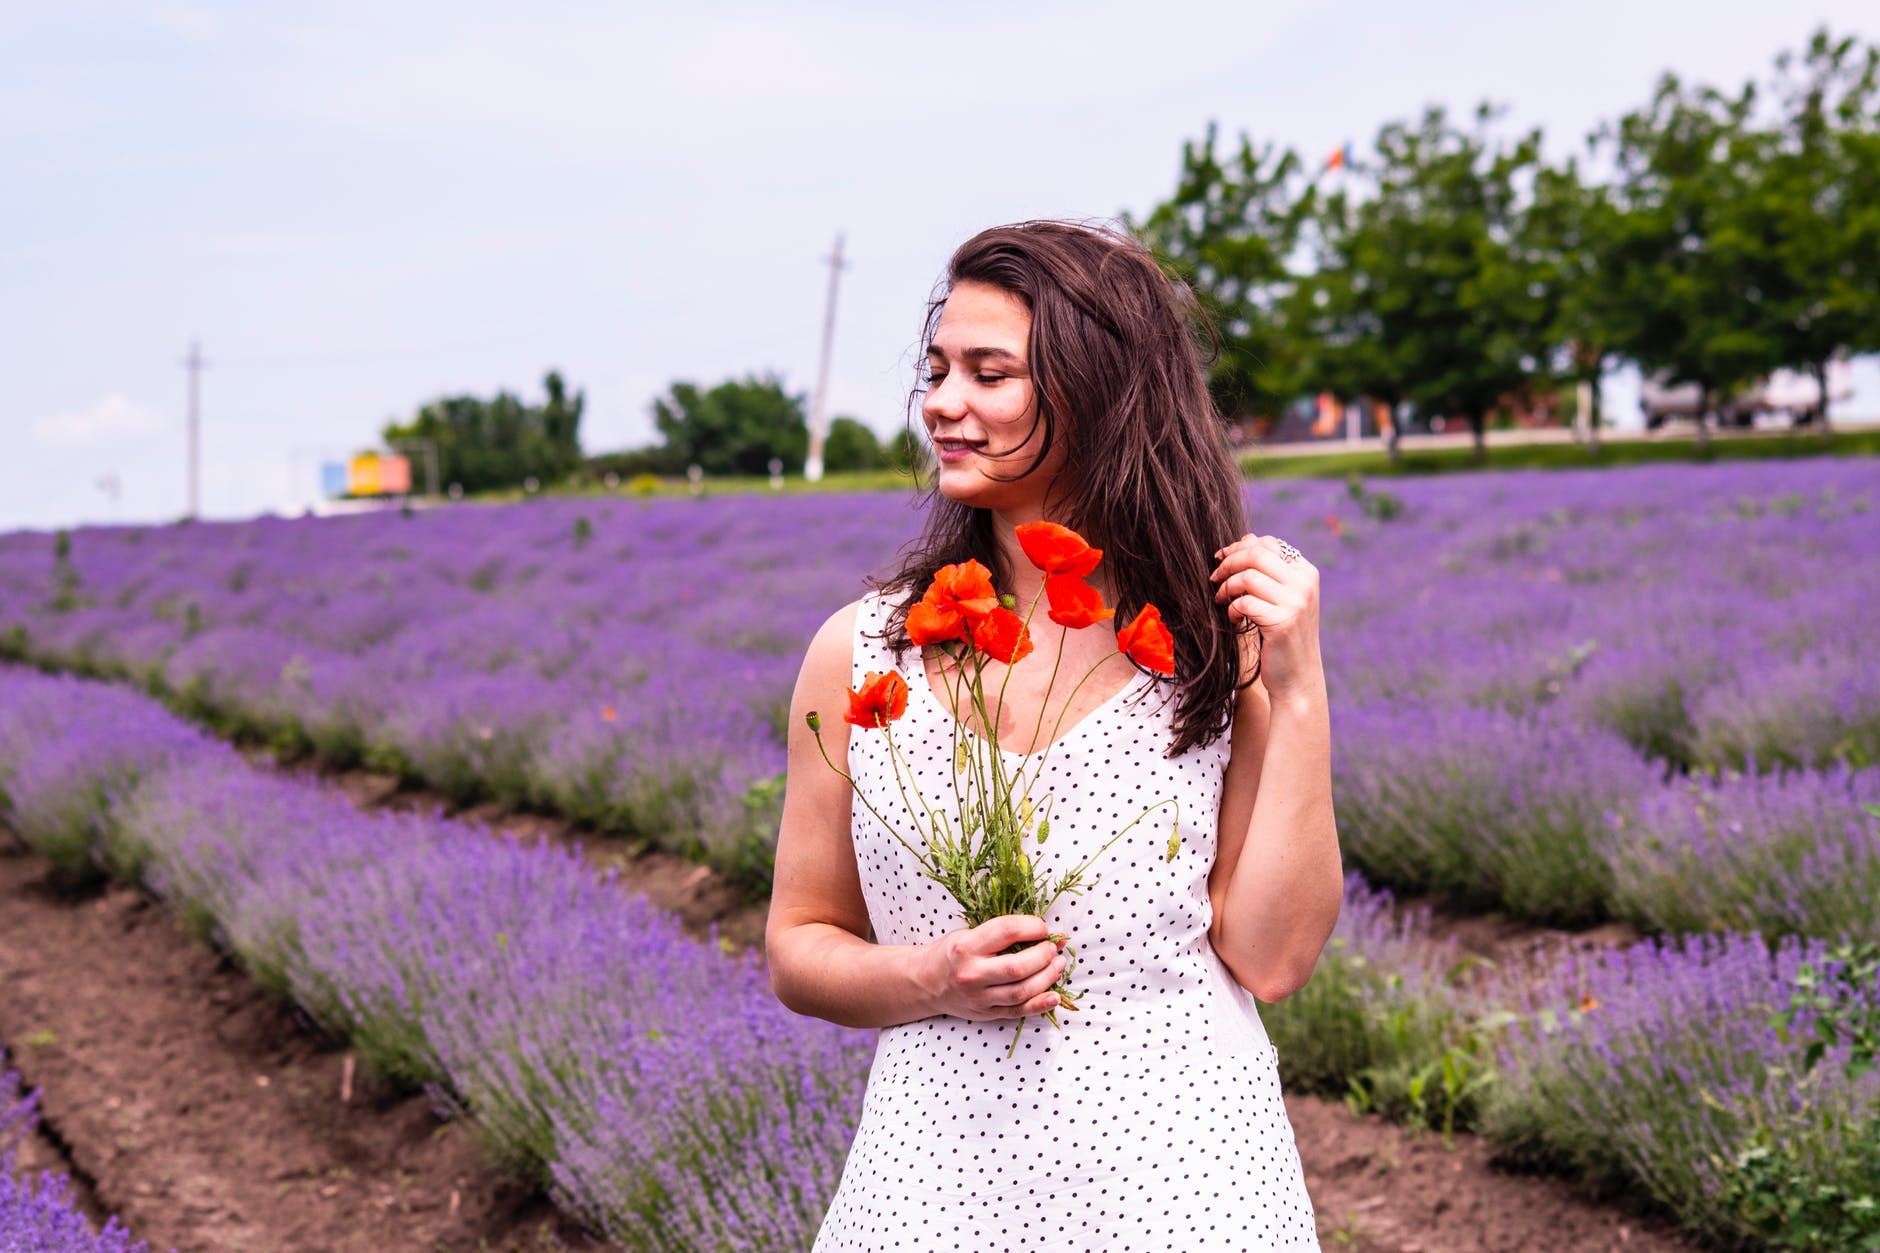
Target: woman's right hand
(971, 976)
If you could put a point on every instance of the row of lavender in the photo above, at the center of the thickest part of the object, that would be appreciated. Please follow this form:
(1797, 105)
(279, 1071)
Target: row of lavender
(1518, 663)
(663, 1095)
(651, 1082)
(37, 1215)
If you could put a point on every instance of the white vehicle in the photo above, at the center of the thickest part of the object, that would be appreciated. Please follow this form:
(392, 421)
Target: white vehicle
(1785, 398)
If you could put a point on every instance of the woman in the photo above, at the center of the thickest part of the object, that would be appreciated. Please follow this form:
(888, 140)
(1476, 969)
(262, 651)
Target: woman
(1063, 384)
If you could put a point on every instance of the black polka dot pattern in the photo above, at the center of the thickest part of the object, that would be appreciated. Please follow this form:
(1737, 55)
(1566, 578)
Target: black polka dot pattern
(1152, 1120)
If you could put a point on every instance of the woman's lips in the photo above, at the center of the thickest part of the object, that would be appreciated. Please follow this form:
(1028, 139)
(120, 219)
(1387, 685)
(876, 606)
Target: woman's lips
(955, 449)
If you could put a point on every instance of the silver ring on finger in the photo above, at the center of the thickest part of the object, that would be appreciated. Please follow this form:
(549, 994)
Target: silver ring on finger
(1288, 553)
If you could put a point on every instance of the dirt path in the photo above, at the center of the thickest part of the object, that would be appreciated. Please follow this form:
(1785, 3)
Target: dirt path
(1377, 1189)
(204, 1115)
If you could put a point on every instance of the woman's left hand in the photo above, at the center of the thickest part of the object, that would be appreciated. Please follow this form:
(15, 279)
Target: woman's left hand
(1266, 581)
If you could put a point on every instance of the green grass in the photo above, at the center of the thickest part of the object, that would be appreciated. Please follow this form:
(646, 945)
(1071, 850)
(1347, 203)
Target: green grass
(726, 485)
(1333, 463)
(1612, 453)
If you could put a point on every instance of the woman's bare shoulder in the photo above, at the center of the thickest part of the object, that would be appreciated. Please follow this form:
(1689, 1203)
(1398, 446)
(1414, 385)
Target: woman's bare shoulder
(831, 650)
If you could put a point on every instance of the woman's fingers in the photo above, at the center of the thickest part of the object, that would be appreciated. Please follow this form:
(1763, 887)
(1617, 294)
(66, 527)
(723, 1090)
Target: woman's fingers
(1254, 582)
(1023, 994)
(1265, 552)
(989, 982)
(997, 934)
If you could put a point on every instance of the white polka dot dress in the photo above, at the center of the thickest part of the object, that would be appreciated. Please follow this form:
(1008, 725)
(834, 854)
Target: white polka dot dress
(1152, 1120)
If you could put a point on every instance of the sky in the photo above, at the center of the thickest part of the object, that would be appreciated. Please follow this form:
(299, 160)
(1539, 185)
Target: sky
(357, 208)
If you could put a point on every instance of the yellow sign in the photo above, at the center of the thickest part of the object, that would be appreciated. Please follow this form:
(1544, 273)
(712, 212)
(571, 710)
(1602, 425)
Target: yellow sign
(362, 475)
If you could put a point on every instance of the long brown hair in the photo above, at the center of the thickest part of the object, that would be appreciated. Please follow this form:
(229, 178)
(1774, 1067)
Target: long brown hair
(1117, 351)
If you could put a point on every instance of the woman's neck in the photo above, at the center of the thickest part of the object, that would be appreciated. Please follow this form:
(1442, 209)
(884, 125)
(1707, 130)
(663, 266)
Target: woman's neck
(1025, 581)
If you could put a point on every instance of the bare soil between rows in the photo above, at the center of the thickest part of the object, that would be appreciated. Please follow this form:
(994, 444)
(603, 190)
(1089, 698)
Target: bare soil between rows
(203, 1114)
(210, 1117)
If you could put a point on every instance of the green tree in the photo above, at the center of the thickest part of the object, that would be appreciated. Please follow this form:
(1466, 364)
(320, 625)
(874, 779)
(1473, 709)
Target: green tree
(907, 450)
(1811, 206)
(1338, 315)
(1566, 233)
(1684, 259)
(485, 444)
(851, 446)
(1425, 290)
(1232, 230)
(735, 428)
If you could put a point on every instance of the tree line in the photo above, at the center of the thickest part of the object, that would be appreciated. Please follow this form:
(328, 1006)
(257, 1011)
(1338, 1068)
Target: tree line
(737, 427)
(1709, 237)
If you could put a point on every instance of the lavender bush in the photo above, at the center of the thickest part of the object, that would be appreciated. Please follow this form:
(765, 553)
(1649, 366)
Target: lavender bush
(1662, 1063)
(1788, 854)
(1482, 806)
(1391, 1019)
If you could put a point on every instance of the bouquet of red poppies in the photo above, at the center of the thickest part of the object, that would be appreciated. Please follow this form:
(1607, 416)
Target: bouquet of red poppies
(977, 848)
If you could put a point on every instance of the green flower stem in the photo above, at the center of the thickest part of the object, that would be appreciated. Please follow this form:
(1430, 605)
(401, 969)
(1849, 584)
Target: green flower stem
(1057, 726)
(853, 788)
(894, 759)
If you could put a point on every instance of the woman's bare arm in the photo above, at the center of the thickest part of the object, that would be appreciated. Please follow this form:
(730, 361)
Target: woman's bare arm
(1278, 880)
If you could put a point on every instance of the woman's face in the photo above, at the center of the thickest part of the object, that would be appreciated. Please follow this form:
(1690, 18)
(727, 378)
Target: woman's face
(981, 402)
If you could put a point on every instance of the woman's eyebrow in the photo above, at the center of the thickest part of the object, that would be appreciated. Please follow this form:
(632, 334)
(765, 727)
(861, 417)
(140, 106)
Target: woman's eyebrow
(976, 354)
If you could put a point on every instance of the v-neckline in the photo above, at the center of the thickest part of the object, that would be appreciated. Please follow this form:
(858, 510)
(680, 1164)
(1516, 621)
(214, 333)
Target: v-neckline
(1075, 729)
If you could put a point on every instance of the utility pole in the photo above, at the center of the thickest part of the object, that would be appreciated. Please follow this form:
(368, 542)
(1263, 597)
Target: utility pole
(819, 404)
(195, 365)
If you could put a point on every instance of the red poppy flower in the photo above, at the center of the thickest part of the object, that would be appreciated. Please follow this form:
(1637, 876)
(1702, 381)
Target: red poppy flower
(927, 623)
(1002, 636)
(958, 595)
(882, 699)
(1146, 642)
(965, 588)
(1058, 549)
(1074, 603)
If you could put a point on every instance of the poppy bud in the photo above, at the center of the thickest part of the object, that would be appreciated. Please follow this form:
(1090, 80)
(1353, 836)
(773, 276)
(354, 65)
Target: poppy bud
(814, 719)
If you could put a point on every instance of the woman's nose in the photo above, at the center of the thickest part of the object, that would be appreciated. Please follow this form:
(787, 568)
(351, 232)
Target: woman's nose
(943, 399)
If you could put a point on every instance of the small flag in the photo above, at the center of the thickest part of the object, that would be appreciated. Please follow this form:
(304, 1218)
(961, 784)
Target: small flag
(1340, 158)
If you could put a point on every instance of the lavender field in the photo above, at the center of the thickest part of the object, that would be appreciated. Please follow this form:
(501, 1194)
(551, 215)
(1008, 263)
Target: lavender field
(1643, 695)
(653, 1086)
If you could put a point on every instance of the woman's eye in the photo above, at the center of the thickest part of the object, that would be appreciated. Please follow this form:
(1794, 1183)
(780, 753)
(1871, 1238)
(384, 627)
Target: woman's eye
(933, 378)
(989, 379)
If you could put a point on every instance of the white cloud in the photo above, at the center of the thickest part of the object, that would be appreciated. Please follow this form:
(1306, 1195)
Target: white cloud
(115, 418)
